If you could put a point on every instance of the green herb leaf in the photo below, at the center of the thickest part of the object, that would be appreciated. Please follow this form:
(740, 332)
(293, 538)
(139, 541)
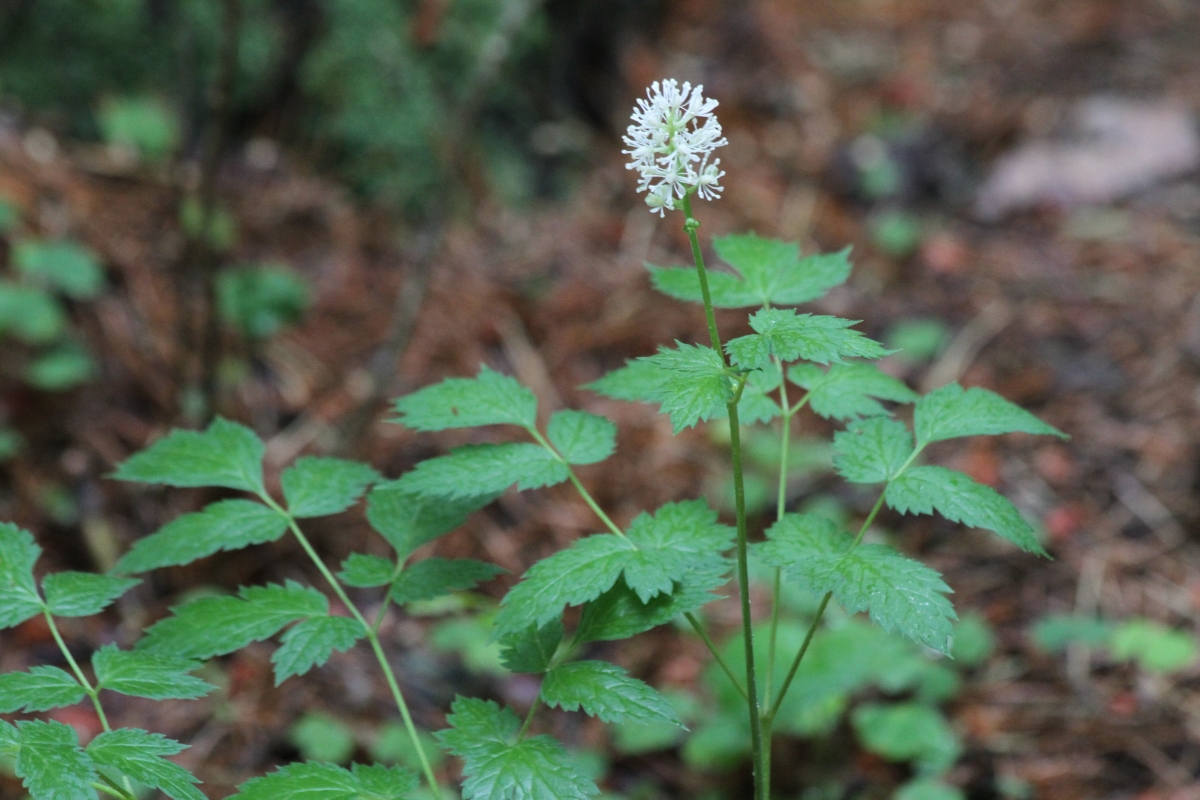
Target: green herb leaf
(489, 398)
(19, 599)
(619, 613)
(314, 781)
(226, 454)
(1054, 632)
(81, 594)
(66, 266)
(476, 469)
(317, 487)
(758, 403)
(605, 690)
(378, 782)
(365, 571)
(10, 739)
(678, 539)
(582, 438)
(1155, 647)
(771, 272)
(435, 577)
(872, 450)
(901, 594)
(531, 650)
(409, 521)
(224, 525)
(140, 756)
(786, 335)
(950, 412)
(140, 674)
(215, 626)
(846, 391)
(310, 644)
(496, 768)
(928, 789)
(52, 764)
(638, 381)
(923, 490)
(39, 689)
(31, 314)
(908, 732)
(694, 384)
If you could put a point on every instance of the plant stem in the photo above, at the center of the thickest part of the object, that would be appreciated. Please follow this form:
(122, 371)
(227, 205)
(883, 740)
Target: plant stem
(787, 682)
(372, 636)
(690, 225)
(579, 487)
(712, 648)
(780, 509)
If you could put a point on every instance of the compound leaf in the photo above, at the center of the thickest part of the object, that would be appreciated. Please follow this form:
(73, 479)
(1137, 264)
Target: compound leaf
(409, 521)
(315, 781)
(496, 768)
(310, 643)
(908, 731)
(224, 525)
(531, 650)
(435, 577)
(582, 438)
(81, 594)
(638, 381)
(63, 265)
(489, 398)
(215, 626)
(316, 486)
(140, 756)
(923, 490)
(849, 390)
(377, 782)
(694, 384)
(226, 454)
(39, 689)
(51, 763)
(951, 411)
(677, 539)
(786, 335)
(487, 469)
(365, 571)
(140, 674)
(605, 690)
(19, 599)
(619, 613)
(872, 450)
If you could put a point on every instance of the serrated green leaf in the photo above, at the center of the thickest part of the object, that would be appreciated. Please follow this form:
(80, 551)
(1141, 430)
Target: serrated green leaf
(908, 732)
(675, 540)
(224, 525)
(922, 490)
(365, 571)
(215, 626)
(497, 768)
(605, 690)
(81, 594)
(620, 614)
(39, 689)
(771, 272)
(489, 398)
(66, 266)
(757, 403)
(311, 643)
(638, 381)
(848, 390)
(531, 650)
(378, 782)
(19, 599)
(307, 781)
(225, 454)
(928, 789)
(316, 486)
(872, 450)
(408, 521)
(950, 412)
(582, 438)
(140, 674)
(140, 755)
(435, 577)
(476, 469)
(10, 739)
(694, 383)
(52, 764)
(786, 335)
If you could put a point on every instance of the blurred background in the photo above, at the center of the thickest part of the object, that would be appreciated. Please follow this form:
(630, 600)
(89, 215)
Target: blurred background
(289, 211)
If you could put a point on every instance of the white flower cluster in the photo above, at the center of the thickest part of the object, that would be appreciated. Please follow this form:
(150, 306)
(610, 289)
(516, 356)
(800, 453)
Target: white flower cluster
(673, 134)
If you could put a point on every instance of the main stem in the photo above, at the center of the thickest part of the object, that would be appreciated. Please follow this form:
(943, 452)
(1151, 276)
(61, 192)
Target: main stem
(739, 492)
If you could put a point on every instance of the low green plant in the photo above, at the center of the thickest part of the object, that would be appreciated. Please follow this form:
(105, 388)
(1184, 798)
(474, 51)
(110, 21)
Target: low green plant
(260, 300)
(1151, 645)
(661, 566)
(144, 125)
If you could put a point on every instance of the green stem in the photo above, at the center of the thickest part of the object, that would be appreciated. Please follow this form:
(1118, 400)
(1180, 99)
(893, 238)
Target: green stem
(780, 509)
(787, 682)
(712, 648)
(372, 637)
(690, 225)
(537, 701)
(579, 487)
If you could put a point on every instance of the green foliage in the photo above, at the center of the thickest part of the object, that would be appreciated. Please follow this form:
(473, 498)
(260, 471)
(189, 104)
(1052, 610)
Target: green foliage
(138, 673)
(63, 367)
(950, 412)
(140, 756)
(532, 650)
(619, 613)
(328, 782)
(1154, 647)
(30, 313)
(62, 266)
(895, 232)
(918, 340)
(408, 521)
(604, 690)
(51, 763)
(693, 383)
(782, 333)
(19, 598)
(312, 642)
(260, 301)
(219, 229)
(900, 594)
(767, 272)
(928, 789)
(435, 577)
(318, 487)
(226, 454)
(1054, 632)
(81, 594)
(872, 450)
(364, 571)
(39, 689)
(582, 438)
(845, 391)
(497, 767)
(145, 125)
(923, 490)
(490, 398)
(974, 640)
(908, 732)
(484, 469)
(321, 737)
(223, 525)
